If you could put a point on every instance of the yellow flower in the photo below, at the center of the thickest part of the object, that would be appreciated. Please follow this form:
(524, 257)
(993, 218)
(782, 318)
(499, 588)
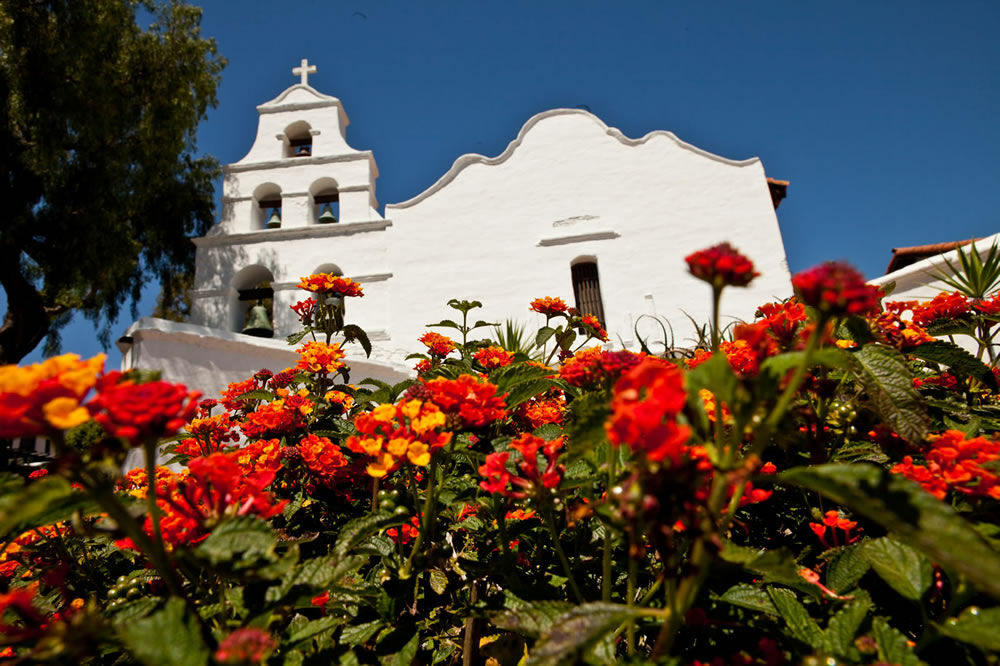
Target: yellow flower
(371, 445)
(65, 413)
(398, 446)
(384, 413)
(419, 454)
(381, 466)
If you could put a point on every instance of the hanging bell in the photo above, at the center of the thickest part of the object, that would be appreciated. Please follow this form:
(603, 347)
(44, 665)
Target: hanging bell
(258, 322)
(274, 221)
(327, 216)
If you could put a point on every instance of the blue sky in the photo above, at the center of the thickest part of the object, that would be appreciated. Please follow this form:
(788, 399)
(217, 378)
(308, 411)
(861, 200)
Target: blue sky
(882, 115)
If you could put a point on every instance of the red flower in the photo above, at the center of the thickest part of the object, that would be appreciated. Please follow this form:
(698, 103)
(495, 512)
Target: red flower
(593, 367)
(835, 288)
(438, 345)
(321, 599)
(720, 266)
(472, 399)
(326, 283)
(839, 529)
(645, 405)
(942, 306)
(549, 306)
(322, 457)
(137, 412)
(532, 479)
(245, 646)
(305, 310)
(967, 466)
(592, 326)
(494, 357)
(783, 320)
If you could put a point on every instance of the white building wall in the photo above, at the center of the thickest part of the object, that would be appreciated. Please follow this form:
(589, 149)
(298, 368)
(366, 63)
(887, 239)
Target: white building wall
(505, 230)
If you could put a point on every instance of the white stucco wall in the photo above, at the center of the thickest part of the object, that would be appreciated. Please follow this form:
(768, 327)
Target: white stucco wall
(505, 230)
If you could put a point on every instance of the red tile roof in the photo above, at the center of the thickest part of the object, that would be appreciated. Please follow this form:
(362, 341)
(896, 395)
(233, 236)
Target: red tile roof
(905, 256)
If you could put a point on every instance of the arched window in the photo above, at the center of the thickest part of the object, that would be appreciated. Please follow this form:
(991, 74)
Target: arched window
(253, 311)
(326, 201)
(587, 288)
(298, 139)
(267, 207)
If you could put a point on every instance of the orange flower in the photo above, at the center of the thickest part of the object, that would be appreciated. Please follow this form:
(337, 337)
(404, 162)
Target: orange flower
(549, 306)
(46, 396)
(438, 345)
(592, 326)
(327, 283)
(494, 357)
(320, 358)
(409, 430)
(967, 466)
(645, 405)
(473, 400)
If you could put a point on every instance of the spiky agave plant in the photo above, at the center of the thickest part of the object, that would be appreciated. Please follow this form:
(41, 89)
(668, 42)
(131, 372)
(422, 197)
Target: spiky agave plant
(514, 337)
(974, 276)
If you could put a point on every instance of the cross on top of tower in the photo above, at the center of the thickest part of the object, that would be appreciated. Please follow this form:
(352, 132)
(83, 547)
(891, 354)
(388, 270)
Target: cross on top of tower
(304, 70)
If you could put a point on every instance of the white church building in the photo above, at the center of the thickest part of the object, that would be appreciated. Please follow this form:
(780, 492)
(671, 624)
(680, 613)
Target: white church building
(572, 208)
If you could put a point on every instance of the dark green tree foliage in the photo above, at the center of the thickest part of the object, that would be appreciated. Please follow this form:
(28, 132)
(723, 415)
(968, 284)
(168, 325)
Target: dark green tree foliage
(100, 185)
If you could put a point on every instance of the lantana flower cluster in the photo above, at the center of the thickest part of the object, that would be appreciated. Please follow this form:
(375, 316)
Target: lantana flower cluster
(410, 430)
(956, 463)
(47, 395)
(328, 284)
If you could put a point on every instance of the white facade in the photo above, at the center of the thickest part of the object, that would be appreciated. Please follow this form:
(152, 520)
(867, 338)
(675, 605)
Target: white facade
(500, 230)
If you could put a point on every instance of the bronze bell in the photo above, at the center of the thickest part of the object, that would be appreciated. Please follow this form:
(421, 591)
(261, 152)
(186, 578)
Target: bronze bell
(258, 322)
(327, 216)
(274, 221)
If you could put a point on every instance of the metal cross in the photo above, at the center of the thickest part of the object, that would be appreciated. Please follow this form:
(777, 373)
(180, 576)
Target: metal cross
(304, 71)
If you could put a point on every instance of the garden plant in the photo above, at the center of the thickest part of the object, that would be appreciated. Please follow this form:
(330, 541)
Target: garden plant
(820, 485)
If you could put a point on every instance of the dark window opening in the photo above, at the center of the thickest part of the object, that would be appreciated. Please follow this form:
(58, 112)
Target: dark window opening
(301, 147)
(587, 290)
(271, 209)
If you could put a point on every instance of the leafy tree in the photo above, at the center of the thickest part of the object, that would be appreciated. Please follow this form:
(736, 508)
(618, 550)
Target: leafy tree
(100, 186)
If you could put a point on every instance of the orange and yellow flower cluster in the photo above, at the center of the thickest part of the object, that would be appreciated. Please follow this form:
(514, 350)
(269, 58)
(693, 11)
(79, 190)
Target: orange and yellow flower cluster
(329, 284)
(46, 396)
(320, 357)
(410, 430)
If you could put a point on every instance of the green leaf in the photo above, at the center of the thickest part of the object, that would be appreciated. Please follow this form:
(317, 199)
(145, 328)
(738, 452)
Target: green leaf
(169, 637)
(531, 619)
(544, 333)
(716, 375)
(295, 338)
(358, 634)
(960, 362)
(752, 597)
(354, 333)
(978, 626)
(36, 498)
(914, 516)
(247, 538)
(314, 628)
(888, 381)
(256, 394)
(950, 327)
(585, 426)
(797, 619)
(776, 565)
(464, 306)
(830, 357)
(893, 647)
(846, 568)
(903, 568)
(576, 631)
(838, 639)
(446, 323)
(360, 529)
(405, 655)
(438, 580)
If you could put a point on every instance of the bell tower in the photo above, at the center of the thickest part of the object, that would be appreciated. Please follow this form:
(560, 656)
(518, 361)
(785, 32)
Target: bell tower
(300, 199)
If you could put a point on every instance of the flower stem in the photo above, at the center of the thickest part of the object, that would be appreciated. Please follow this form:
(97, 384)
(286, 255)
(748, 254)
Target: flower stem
(425, 520)
(550, 524)
(612, 458)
